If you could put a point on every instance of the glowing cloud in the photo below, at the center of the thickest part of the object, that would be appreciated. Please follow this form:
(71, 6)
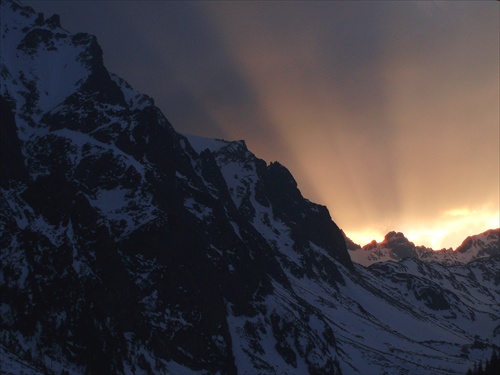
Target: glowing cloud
(447, 230)
(387, 138)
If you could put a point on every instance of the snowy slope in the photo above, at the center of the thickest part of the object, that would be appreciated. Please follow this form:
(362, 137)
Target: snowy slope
(443, 310)
(127, 247)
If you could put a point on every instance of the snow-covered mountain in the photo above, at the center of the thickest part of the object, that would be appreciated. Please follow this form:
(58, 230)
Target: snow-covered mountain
(127, 247)
(396, 247)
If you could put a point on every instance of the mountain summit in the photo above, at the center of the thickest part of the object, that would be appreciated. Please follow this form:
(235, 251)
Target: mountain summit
(127, 247)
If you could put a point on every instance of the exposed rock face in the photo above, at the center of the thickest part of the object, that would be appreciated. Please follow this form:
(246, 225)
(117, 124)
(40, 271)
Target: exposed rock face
(484, 244)
(127, 247)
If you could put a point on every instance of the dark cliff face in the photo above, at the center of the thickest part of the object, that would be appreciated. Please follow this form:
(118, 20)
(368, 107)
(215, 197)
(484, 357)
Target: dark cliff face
(12, 166)
(117, 235)
(313, 222)
(400, 245)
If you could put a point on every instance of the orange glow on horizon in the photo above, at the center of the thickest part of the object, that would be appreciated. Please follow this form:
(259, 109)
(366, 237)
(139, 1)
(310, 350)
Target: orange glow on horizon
(363, 238)
(400, 144)
(448, 230)
(391, 123)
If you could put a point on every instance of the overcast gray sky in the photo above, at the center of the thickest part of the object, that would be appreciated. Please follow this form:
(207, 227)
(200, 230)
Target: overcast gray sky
(386, 112)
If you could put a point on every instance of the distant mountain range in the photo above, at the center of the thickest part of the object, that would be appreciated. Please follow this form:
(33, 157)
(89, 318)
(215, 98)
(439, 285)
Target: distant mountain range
(396, 247)
(129, 248)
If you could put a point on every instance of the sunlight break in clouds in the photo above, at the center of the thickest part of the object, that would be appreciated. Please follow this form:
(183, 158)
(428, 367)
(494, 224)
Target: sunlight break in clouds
(453, 226)
(386, 112)
(388, 125)
(448, 230)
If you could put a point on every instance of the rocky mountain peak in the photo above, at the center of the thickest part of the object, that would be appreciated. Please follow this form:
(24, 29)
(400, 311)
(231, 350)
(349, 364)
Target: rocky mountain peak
(487, 242)
(396, 238)
(53, 22)
(391, 240)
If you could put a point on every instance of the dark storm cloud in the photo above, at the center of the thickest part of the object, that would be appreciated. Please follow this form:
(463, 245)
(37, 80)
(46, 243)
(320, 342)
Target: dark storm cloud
(167, 50)
(353, 49)
(195, 70)
(205, 92)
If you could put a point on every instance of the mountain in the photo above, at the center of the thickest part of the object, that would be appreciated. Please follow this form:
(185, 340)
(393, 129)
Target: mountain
(396, 247)
(129, 248)
(482, 245)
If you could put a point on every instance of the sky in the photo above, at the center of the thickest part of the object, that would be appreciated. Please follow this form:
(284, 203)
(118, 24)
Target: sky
(386, 112)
